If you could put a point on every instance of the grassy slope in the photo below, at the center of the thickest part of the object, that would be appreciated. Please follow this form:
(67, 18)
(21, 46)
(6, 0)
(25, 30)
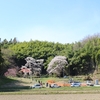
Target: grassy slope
(23, 87)
(4, 80)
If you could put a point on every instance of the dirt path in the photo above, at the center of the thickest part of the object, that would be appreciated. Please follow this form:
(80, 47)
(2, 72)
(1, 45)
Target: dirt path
(52, 97)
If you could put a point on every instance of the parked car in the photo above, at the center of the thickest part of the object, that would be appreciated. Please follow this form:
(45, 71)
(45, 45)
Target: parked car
(36, 86)
(55, 86)
(75, 84)
(89, 83)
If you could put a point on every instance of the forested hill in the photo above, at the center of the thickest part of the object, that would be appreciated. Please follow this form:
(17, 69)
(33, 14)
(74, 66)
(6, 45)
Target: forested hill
(83, 56)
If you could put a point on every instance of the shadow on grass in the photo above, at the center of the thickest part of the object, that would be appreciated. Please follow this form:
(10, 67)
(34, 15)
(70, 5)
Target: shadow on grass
(11, 85)
(14, 89)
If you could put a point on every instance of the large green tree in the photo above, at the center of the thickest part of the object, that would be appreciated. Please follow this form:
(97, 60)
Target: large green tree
(82, 56)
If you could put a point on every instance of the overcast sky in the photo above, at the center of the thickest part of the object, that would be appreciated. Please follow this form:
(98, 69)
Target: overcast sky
(63, 21)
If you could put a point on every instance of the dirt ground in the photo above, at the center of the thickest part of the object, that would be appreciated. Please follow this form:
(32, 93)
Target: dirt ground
(52, 97)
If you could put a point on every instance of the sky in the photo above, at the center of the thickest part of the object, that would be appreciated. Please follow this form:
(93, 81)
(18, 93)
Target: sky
(63, 21)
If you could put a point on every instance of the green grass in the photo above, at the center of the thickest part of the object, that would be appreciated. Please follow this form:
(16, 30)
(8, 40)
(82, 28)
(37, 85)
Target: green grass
(28, 90)
(4, 80)
(62, 90)
(51, 78)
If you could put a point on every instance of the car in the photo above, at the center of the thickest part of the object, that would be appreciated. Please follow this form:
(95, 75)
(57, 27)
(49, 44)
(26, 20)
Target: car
(54, 86)
(89, 83)
(36, 86)
(75, 84)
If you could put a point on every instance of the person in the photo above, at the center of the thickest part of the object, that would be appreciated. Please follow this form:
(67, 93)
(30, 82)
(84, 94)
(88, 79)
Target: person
(49, 85)
(39, 82)
(46, 84)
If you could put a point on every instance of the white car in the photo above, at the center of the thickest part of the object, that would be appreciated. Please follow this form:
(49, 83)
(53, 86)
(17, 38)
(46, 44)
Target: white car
(54, 86)
(89, 83)
(36, 86)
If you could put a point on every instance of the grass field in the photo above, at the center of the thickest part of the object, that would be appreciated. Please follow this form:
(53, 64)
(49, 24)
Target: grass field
(19, 89)
(22, 86)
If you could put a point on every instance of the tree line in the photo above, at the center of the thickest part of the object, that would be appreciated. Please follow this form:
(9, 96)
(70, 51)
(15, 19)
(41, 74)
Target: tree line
(83, 56)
